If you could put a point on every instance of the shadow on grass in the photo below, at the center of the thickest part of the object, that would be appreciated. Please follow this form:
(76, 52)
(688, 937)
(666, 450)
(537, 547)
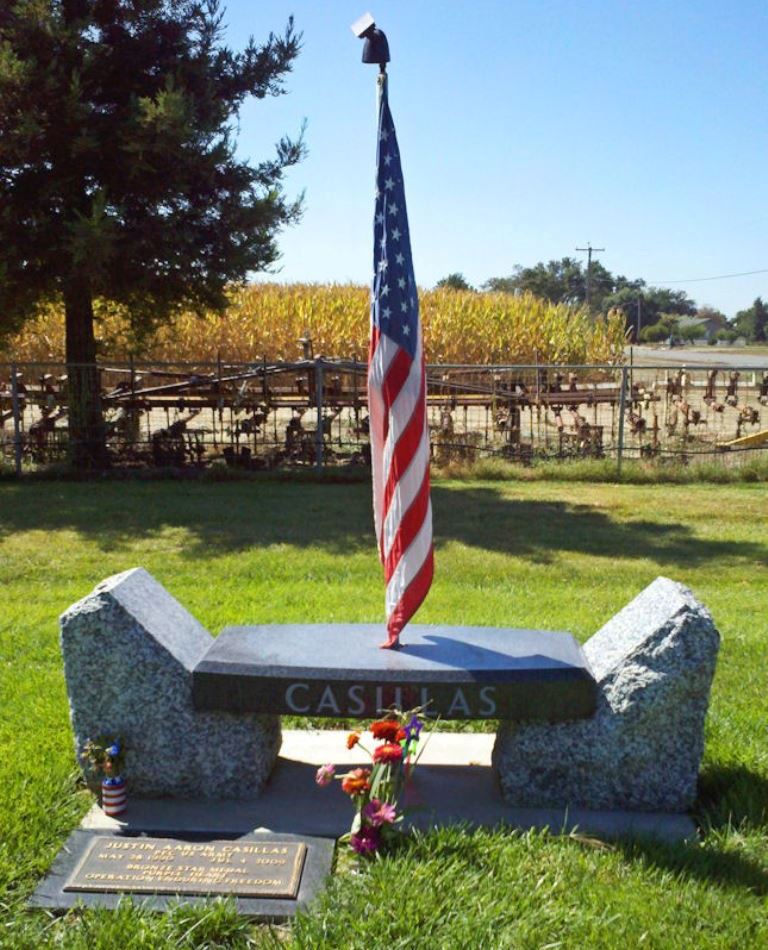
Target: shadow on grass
(230, 517)
(724, 869)
(732, 796)
(729, 796)
(707, 863)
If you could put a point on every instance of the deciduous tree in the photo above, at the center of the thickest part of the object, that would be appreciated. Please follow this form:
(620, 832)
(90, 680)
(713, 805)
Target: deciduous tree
(752, 323)
(455, 281)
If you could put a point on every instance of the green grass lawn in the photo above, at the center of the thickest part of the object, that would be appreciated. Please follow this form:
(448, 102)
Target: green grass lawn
(543, 554)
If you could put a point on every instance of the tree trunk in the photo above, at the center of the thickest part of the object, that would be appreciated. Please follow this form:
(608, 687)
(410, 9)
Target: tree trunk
(87, 437)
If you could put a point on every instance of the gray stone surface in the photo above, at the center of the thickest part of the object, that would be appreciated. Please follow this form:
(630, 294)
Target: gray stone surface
(129, 649)
(654, 663)
(338, 670)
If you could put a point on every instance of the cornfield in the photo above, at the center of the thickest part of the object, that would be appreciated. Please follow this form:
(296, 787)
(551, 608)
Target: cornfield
(267, 321)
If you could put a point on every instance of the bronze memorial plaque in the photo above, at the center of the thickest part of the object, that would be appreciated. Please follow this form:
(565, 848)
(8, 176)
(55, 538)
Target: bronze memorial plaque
(247, 868)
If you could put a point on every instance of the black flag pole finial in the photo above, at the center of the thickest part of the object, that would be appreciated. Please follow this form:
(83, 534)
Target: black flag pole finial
(376, 48)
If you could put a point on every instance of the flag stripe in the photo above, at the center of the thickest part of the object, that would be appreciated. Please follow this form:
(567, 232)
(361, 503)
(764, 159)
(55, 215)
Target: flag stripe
(404, 451)
(383, 351)
(415, 594)
(405, 493)
(412, 394)
(408, 524)
(408, 566)
(395, 379)
(401, 470)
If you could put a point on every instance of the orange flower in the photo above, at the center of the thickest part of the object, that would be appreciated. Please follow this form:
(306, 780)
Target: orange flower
(389, 752)
(386, 729)
(356, 782)
(352, 739)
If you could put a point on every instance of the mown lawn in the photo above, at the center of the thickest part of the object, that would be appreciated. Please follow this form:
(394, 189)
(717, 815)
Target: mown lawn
(541, 554)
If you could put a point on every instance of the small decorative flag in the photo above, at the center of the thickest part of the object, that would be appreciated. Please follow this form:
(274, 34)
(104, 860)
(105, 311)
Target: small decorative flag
(114, 798)
(397, 396)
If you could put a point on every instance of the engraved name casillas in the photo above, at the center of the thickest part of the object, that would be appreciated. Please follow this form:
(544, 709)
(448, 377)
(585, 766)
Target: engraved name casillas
(358, 699)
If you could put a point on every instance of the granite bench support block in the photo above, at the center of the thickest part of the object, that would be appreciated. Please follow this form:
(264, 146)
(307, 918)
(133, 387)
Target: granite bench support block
(129, 649)
(654, 663)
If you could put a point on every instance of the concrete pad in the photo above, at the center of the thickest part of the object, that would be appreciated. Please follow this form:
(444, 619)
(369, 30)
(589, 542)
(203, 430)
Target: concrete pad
(454, 783)
(319, 746)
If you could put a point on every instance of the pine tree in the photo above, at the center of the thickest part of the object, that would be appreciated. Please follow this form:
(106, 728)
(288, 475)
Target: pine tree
(118, 175)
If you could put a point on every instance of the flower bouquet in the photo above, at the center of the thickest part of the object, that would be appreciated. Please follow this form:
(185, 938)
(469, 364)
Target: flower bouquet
(375, 792)
(106, 757)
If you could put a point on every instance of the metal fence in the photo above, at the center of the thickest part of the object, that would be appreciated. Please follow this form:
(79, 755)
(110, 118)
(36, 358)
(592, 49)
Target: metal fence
(313, 413)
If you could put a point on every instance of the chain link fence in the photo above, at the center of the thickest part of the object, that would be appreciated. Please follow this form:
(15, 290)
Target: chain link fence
(313, 413)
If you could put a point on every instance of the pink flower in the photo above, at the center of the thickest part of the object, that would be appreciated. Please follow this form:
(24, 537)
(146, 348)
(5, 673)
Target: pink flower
(324, 775)
(365, 841)
(378, 813)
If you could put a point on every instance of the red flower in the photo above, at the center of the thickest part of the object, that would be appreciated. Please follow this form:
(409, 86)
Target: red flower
(389, 752)
(356, 782)
(386, 729)
(401, 734)
(352, 739)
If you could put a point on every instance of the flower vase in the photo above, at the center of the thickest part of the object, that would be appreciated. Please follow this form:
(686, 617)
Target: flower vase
(114, 799)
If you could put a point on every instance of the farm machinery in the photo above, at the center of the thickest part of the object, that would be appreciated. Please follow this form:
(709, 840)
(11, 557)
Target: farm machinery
(314, 411)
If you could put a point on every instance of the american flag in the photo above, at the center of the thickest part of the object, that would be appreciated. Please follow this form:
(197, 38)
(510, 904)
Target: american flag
(397, 398)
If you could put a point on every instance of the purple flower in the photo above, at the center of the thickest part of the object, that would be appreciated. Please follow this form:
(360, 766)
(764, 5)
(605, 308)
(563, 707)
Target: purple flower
(365, 841)
(324, 775)
(378, 813)
(413, 729)
(114, 750)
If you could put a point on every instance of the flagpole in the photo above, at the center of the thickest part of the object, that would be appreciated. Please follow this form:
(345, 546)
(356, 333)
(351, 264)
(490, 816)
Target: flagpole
(381, 82)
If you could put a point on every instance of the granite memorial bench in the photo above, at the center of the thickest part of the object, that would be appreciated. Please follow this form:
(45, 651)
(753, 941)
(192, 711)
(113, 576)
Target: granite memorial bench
(615, 724)
(336, 670)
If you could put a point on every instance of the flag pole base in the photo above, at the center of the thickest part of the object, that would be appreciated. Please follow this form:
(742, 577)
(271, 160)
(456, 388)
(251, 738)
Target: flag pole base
(391, 644)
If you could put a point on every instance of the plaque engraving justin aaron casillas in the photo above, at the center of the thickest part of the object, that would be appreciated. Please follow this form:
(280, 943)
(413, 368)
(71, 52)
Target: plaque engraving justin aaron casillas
(144, 865)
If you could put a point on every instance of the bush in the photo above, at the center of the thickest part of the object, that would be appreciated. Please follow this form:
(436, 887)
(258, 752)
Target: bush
(656, 333)
(692, 332)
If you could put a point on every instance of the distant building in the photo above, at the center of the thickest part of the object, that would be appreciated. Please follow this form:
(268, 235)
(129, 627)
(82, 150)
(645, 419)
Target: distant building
(709, 325)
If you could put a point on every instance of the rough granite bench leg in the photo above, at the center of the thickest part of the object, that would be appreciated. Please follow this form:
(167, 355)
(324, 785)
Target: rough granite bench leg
(129, 650)
(201, 716)
(653, 662)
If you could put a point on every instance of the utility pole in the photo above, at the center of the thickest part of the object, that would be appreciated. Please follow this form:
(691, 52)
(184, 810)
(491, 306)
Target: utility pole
(590, 251)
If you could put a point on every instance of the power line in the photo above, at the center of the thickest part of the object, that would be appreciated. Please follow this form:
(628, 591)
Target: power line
(590, 251)
(697, 280)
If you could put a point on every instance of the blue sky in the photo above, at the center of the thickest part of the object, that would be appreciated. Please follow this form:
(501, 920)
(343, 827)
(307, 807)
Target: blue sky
(528, 128)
